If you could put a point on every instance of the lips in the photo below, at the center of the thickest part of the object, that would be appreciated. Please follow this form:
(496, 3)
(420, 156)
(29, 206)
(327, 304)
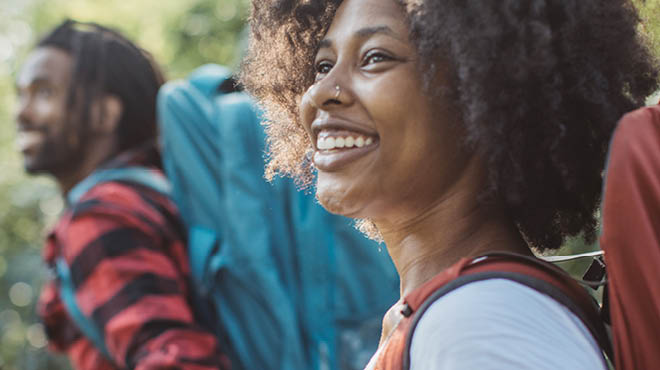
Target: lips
(28, 139)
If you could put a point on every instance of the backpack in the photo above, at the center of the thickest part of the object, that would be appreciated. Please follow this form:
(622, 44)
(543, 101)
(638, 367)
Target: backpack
(630, 238)
(283, 283)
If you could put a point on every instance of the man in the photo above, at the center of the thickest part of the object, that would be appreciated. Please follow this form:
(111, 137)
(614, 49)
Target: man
(87, 102)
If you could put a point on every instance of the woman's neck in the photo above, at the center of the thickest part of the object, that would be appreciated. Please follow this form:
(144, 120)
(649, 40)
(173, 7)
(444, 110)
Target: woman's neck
(457, 226)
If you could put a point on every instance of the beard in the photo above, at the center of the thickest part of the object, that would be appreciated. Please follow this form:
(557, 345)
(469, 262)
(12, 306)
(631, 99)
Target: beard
(55, 154)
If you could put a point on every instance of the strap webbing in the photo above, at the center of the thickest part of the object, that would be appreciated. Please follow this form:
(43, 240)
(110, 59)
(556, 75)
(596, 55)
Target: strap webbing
(137, 175)
(84, 323)
(582, 308)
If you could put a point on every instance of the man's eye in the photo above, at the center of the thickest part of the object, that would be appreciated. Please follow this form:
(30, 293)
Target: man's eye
(44, 92)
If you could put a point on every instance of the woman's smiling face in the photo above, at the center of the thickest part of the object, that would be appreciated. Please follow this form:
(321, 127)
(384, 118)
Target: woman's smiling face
(383, 147)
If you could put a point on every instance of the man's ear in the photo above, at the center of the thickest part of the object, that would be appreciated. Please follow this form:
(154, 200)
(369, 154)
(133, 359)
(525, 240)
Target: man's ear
(106, 114)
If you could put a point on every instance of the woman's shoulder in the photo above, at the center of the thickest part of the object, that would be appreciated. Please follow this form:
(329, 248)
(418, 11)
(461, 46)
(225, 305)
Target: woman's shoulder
(498, 324)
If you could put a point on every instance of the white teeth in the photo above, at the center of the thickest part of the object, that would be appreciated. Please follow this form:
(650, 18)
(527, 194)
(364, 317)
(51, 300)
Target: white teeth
(27, 139)
(329, 143)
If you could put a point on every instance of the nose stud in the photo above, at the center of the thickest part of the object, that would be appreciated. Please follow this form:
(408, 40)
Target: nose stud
(337, 92)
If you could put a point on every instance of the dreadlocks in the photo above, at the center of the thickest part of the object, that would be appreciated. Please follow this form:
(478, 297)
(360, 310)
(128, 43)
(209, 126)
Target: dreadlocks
(107, 63)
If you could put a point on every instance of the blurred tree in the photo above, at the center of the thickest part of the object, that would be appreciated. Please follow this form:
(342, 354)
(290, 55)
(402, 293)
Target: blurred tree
(181, 35)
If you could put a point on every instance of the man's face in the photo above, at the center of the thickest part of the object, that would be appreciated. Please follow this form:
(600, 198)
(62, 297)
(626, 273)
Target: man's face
(46, 138)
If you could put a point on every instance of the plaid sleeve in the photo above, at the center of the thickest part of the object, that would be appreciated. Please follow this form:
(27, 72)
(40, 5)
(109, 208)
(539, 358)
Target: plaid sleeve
(131, 277)
(64, 336)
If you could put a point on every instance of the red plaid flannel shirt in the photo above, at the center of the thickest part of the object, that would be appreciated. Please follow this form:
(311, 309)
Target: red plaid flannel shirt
(123, 243)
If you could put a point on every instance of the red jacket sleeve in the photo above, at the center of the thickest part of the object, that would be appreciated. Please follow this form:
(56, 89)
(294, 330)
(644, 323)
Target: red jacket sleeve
(63, 334)
(131, 278)
(631, 239)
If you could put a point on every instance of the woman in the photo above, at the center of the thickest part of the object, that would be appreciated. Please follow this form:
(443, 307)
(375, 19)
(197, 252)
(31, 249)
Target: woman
(454, 129)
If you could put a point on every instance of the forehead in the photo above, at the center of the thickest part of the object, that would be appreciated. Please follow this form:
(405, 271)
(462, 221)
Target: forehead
(354, 15)
(46, 63)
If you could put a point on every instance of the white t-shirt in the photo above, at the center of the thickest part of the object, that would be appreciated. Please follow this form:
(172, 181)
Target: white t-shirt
(501, 324)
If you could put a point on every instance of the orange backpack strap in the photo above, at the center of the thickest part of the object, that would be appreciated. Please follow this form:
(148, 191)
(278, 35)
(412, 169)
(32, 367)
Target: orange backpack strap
(529, 271)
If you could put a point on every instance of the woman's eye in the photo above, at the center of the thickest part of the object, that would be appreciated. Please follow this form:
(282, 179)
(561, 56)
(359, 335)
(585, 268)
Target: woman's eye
(376, 57)
(323, 67)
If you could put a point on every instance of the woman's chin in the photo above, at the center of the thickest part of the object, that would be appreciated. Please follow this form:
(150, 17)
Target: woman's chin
(338, 203)
(332, 204)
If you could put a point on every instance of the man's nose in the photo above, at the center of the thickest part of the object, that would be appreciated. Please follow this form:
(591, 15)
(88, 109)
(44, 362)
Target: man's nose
(24, 114)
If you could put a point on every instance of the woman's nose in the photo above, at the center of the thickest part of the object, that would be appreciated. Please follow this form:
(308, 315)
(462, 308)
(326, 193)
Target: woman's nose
(324, 94)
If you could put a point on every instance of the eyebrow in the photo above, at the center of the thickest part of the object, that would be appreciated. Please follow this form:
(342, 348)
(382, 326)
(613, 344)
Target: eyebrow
(364, 33)
(39, 80)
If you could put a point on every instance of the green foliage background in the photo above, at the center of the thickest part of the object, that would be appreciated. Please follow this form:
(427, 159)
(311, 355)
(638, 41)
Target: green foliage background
(181, 35)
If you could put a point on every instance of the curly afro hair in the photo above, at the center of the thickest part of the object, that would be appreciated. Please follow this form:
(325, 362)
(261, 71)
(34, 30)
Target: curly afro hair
(540, 85)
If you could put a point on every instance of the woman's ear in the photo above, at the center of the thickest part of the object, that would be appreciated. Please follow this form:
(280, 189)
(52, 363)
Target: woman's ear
(106, 114)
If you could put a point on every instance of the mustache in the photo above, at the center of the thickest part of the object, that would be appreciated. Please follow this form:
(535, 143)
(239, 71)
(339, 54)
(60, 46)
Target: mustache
(26, 126)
